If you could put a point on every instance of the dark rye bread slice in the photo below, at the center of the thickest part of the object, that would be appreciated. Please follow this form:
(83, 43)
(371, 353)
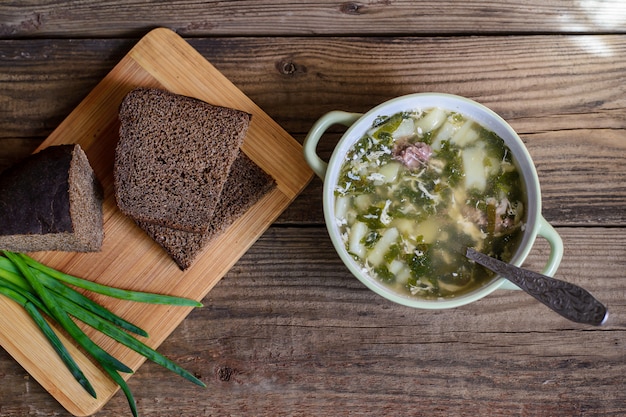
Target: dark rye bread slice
(246, 185)
(51, 201)
(173, 157)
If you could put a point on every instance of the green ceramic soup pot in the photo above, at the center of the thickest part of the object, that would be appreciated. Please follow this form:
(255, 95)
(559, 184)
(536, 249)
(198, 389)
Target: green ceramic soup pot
(358, 124)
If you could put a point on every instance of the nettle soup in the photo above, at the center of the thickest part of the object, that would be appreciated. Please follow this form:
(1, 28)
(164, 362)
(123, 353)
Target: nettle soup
(418, 189)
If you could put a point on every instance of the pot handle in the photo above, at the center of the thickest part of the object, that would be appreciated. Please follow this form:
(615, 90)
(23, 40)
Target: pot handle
(556, 251)
(316, 132)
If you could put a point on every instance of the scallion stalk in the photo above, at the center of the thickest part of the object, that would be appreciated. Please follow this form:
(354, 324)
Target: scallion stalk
(86, 303)
(63, 319)
(10, 273)
(54, 340)
(138, 296)
(125, 389)
(41, 289)
(127, 340)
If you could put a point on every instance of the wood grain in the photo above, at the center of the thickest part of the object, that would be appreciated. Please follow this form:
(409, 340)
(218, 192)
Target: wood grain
(311, 337)
(296, 80)
(574, 134)
(93, 18)
(316, 338)
(289, 331)
(129, 258)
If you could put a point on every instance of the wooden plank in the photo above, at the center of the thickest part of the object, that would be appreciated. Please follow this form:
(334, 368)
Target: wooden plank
(297, 79)
(250, 17)
(582, 181)
(44, 80)
(14, 149)
(309, 336)
(566, 102)
(582, 175)
(129, 258)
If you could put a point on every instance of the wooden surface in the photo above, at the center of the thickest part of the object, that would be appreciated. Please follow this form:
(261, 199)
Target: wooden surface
(288, 331)
(129, 258)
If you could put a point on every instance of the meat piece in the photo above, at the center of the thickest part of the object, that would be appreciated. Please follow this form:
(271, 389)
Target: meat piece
(507, 215)
(476, 216)
(413, 155)
(513, 217)
(500, 217)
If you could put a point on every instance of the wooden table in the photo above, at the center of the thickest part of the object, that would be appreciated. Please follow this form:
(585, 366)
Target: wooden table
(288, 331)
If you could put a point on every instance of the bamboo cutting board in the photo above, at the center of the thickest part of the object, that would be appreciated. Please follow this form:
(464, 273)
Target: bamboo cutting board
(129, 258)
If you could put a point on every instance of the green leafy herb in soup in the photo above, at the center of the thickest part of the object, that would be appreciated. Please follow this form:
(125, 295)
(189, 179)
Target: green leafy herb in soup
(420, 187)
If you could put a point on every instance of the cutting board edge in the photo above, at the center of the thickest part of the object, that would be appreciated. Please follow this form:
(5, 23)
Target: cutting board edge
(288, 193)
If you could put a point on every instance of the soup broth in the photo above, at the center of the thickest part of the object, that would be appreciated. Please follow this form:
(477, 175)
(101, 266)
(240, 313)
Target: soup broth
(418, 189)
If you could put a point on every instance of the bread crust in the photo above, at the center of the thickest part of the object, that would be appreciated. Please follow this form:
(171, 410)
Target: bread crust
(51, 201)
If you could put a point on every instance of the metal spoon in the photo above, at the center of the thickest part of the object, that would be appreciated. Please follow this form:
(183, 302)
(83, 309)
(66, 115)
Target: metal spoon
(569, 300)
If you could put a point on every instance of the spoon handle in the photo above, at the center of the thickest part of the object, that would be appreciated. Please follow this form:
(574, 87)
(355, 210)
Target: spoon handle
(569, 300)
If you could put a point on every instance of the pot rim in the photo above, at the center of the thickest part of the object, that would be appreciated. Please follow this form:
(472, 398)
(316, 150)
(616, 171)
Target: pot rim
(479, 113)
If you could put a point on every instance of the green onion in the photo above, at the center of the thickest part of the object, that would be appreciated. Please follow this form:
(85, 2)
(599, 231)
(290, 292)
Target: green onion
(143, 297)
(87, 304)
(127, 340)
(120, 381)
(54, 340)
(61, 316)
(41, 289)
(11, 274)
